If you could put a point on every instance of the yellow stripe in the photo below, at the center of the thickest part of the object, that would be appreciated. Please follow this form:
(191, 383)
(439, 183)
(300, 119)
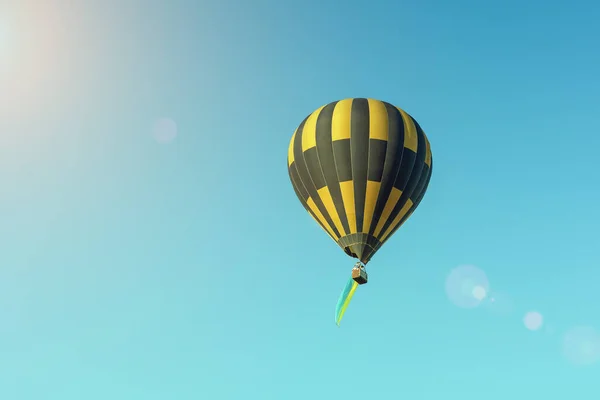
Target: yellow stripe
(396, 220)
(428, 152)
(347, 302)
(370, 202)
(325, 196)
(410, 132)
(378, 120)
(291, 149)
(309, 131)
(387, 210)
(311, 204)
(340, 120)
(347, 189)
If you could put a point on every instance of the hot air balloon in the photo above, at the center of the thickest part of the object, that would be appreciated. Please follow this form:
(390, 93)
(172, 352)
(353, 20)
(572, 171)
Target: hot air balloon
(360, 167)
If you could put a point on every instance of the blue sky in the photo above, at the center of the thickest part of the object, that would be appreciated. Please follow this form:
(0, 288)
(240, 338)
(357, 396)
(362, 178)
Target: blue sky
(131, 269)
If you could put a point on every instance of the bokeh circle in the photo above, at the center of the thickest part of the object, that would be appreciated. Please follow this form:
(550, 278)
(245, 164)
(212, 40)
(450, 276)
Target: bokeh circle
(533, 320)
(581, 345)
(467, 286)
(479, 292)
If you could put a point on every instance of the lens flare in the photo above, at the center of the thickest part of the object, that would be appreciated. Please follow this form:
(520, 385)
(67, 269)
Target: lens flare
(499, 303)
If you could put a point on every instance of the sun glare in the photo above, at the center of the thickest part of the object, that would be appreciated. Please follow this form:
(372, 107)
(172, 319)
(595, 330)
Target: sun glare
(30, 40)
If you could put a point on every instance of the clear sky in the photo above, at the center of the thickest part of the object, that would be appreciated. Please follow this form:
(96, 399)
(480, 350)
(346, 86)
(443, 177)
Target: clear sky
(136, 269)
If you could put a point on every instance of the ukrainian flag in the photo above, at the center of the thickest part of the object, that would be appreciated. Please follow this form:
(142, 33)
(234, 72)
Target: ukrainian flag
(344, 300)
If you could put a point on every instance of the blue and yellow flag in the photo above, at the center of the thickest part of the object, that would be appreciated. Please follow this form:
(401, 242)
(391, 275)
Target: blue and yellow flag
(344, 300)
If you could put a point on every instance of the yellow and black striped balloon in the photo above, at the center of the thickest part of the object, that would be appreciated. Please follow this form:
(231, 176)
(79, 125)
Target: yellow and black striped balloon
(360, 167)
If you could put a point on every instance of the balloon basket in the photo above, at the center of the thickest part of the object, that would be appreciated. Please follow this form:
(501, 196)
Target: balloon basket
(359, 274)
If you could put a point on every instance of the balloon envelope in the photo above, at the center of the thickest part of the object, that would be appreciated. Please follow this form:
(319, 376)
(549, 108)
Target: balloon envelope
(360, 167)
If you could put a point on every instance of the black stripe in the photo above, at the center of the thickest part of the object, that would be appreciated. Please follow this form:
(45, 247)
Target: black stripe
(343, 159)
(416, 204)
(404, 173)
(393, 159)
(327, 160)
(298, 185)
(302, 200)
(305, 177)
(301, 193)
(409, 158)
(377, 151)
(419, 174)
(301, 197)
(414, 175)
(427, 170)
(421, 186)
(359, 147)
(418, 194)
(314, 167)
